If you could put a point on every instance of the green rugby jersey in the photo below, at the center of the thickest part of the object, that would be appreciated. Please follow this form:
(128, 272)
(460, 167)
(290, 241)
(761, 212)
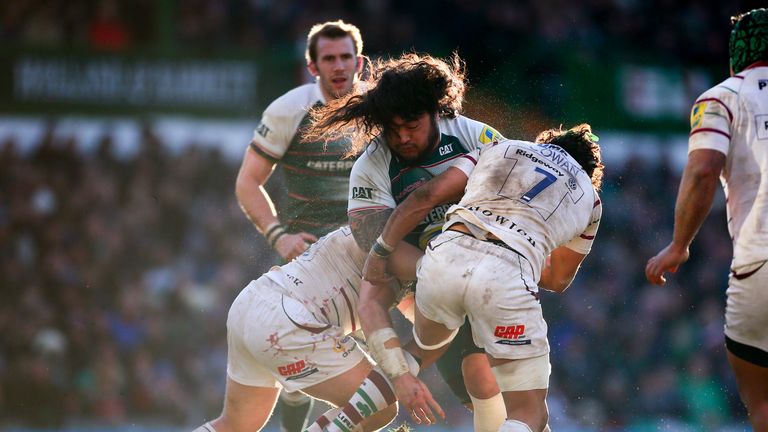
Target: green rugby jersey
(316, 175)
(380, 179)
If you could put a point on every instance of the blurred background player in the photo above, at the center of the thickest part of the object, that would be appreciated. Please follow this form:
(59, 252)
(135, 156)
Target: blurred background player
(316, 174)
(729, 123)
(409, 128)
(527, 220)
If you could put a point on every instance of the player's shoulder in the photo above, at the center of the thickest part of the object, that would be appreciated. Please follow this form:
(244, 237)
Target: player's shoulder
(375, 151)
(296, 101)
(725, 91)
(468, 129)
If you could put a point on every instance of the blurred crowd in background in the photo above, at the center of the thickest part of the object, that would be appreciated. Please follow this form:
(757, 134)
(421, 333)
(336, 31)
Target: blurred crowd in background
(116, 273)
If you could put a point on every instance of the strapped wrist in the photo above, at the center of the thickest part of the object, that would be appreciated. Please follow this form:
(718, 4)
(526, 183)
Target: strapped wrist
(391, 360)
(273, 232)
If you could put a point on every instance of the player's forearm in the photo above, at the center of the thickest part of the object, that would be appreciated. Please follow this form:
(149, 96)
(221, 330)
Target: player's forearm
(447, 187)
(694, 201)
(373, 307)
(256, 204)
(366, 225)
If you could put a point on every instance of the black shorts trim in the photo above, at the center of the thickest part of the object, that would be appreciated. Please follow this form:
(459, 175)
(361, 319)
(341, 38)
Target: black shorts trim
(747, 352)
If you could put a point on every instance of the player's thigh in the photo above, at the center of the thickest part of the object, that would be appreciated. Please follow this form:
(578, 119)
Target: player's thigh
(246, 408)
(751, 378)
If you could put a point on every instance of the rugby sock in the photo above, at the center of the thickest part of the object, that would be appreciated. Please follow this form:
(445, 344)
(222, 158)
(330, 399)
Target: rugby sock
(294, 410)
(514, 426)
(488, 414)
(374, 394)
(207, 427)
(323, 421)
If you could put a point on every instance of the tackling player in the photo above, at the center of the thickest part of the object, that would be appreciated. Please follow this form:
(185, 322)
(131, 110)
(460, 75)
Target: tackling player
(409, 129)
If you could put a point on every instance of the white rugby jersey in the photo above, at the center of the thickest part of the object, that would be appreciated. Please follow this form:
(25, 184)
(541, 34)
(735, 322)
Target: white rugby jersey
(731, 118)
(534, 197)
(379, 179)
(326, 279)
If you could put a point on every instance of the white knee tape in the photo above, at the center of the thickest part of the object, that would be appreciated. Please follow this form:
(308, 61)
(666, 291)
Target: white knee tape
(524, 374)
(488, 414)
(514, 426)
(437, 345)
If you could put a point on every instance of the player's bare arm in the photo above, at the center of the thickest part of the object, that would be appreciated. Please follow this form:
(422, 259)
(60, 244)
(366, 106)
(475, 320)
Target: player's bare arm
(446, 187)
(561, 268)
(694, 200)
(258, 207)
(367, 224)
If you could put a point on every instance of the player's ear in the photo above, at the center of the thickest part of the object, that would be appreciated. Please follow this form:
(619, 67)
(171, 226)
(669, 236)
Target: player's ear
(312, 68)
(359, 67)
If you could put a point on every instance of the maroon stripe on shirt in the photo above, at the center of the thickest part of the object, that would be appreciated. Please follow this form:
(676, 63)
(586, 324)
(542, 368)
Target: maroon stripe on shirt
(351, 311)
(586, 237)
(597, 203)
(710, 130)
(730, 115)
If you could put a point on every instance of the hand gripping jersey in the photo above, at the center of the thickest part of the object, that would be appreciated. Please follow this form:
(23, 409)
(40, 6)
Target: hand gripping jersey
(380, 179)
(326, 280)
(732, 118)
(317, 177)
(534, 197)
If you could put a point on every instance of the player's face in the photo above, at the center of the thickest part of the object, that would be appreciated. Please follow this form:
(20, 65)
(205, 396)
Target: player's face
(336, 66)
(412, 139)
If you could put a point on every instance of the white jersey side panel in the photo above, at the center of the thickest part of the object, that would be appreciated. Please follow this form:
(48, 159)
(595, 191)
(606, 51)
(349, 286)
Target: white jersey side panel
(751, 120)
(282, 117)
(533, 197)
(326, 279)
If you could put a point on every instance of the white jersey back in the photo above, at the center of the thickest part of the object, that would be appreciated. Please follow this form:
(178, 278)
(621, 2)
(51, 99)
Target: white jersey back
(753, 119)
(727, 118)
(326, 279)
(534, 197)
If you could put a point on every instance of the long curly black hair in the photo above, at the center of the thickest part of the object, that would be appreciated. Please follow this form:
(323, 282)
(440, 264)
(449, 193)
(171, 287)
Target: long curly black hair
(405, 87)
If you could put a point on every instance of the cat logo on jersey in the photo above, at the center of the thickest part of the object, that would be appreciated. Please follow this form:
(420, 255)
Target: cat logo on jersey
(697, 114)
(489, 135)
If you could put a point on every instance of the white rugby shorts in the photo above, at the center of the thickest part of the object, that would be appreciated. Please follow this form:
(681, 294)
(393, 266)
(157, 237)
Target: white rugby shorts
(461, 275)
(274, 341)
(746, 310)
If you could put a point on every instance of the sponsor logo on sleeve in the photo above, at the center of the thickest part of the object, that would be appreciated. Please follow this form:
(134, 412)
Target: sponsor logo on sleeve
(511, 335)
(297, 370)
(697, 114)
(262, 129)
(761, 84)
(359, 192)
(489, 135)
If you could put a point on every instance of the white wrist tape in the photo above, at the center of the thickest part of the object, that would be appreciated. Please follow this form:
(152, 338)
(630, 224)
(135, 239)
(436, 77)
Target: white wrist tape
(391, 360)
